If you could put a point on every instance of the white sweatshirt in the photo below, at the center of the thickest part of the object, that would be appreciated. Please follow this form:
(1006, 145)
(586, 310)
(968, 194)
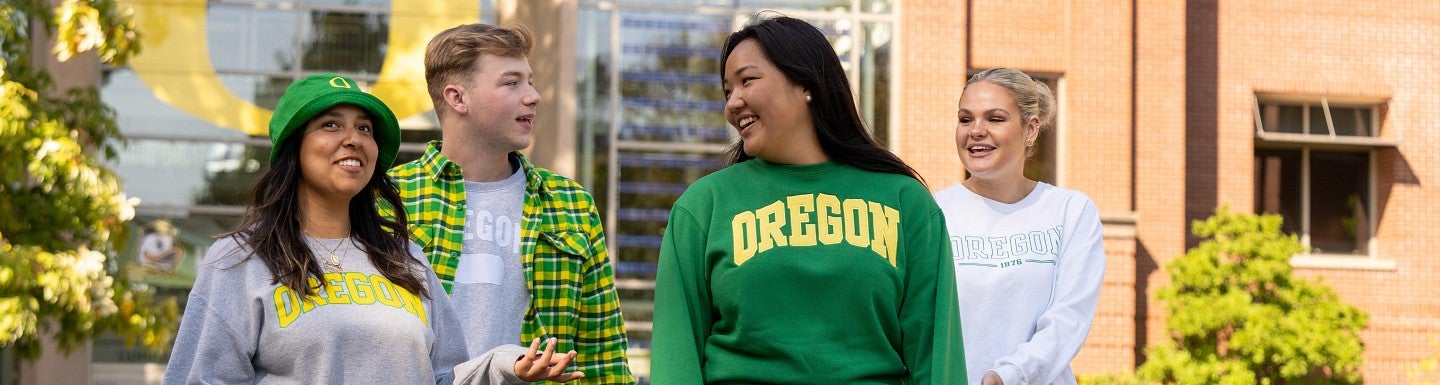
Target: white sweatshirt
(1028, 276)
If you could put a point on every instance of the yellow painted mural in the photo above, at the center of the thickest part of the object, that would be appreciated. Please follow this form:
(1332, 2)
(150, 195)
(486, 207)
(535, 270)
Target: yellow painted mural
(175, 62)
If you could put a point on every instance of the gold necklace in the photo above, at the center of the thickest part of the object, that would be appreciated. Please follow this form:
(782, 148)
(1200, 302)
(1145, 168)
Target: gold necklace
(333, 261)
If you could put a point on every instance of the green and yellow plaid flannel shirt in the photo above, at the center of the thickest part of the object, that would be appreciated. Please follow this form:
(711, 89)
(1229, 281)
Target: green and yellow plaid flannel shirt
(567, 267)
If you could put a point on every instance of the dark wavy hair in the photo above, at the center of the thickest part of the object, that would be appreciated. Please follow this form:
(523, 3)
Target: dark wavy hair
(271, 228)
(804, 56)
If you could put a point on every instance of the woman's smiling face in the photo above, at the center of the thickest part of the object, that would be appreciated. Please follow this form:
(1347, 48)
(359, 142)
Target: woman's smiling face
(991, 134)
(338, 153)
(767, 108)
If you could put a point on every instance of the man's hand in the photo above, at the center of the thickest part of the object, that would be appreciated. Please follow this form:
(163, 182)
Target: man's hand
(536, 366)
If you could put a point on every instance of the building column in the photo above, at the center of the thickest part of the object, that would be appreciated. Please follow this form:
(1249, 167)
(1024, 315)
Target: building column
(553, 60)
(56, 367)
(1161, 119)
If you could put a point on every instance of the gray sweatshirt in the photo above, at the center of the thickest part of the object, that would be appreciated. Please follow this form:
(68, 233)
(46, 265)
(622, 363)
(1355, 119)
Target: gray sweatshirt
(240, 328)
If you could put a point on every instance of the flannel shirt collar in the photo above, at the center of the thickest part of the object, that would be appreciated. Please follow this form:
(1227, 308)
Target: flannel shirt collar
(533, 180)
(437, 165)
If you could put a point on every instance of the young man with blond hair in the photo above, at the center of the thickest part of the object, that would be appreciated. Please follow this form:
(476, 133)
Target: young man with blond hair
(519, 248)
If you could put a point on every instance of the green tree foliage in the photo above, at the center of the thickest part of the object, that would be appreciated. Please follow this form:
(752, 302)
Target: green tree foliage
(1427, 371)
(1112, 379)
(61, 208)
(1238, 316)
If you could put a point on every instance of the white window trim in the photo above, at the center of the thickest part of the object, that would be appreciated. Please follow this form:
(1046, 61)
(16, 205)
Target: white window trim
(1061, 130)
(1374, 140)
(1341, 262)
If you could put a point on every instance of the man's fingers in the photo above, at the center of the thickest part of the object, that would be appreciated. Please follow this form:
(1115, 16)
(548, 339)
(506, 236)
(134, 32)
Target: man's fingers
(534, 347)
(525, 365)
(558, 365)
(567, 377)
(543, 361)
(538, 365)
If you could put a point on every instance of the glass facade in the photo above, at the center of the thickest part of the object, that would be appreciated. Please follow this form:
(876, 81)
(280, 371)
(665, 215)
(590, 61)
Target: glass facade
(650, 107)
(192, 171)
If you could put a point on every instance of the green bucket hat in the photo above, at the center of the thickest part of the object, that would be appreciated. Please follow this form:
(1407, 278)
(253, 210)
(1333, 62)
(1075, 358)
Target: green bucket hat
(314, 94)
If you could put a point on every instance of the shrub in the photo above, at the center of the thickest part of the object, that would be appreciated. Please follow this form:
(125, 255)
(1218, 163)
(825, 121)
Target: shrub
(1238, 316)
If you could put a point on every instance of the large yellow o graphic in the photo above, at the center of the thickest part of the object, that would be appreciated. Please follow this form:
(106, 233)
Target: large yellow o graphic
(175, 61)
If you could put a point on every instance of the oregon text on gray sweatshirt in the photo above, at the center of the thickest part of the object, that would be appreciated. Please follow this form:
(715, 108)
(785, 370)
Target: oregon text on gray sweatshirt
(240, 328)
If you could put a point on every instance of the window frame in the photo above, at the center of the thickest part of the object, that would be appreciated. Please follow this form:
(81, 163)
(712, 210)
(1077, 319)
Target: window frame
(1307, 144)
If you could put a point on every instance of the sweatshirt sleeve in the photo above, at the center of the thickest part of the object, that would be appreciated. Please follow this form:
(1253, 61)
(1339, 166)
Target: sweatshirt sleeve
(495, 367)
(1061, 330)
(682, 304)
(933, 349)
(215, 342)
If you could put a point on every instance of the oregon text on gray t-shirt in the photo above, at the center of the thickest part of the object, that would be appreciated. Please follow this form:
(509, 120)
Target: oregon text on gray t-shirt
(489, 292)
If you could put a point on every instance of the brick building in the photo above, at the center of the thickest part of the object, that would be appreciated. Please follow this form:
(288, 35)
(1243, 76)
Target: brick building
(1159, 106)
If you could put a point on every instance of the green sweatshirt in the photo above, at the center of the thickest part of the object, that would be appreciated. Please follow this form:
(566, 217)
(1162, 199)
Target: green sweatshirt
(806, 274)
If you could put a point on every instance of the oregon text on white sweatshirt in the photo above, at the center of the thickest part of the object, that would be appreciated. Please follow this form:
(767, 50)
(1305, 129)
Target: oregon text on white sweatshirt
(1028, 276)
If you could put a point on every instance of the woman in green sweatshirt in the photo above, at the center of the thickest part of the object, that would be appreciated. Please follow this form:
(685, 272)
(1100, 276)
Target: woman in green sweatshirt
(817, 257)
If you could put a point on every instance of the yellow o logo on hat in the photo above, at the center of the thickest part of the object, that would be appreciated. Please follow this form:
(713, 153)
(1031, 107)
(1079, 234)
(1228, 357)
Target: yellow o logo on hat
(176, 61)
(342, 82)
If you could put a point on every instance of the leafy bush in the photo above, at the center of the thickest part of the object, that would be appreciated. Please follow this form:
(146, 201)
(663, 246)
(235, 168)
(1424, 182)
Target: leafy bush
(1238, 316)
(1113, 379)
(1427, 371)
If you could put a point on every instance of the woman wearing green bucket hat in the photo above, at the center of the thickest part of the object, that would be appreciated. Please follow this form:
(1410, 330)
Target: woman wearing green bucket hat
(314, 286)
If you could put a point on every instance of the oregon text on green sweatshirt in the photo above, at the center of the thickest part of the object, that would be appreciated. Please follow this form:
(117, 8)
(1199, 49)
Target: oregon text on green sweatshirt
(806, 274)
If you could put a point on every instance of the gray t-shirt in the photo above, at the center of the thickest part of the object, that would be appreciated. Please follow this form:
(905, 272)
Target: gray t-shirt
(240, 328)
(489, 291)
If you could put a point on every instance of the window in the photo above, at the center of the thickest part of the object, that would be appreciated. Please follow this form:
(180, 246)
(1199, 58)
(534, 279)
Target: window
(1333, 185)
(1044, 164)
(1314, 165)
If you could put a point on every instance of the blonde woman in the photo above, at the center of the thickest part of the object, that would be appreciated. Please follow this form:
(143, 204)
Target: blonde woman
(1028, 255)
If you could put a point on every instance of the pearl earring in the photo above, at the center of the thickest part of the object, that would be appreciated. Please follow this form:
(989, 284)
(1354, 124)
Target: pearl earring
(807, 98)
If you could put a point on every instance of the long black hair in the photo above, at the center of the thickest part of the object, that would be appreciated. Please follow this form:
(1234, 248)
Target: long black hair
(804, 56)
(271, 227)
